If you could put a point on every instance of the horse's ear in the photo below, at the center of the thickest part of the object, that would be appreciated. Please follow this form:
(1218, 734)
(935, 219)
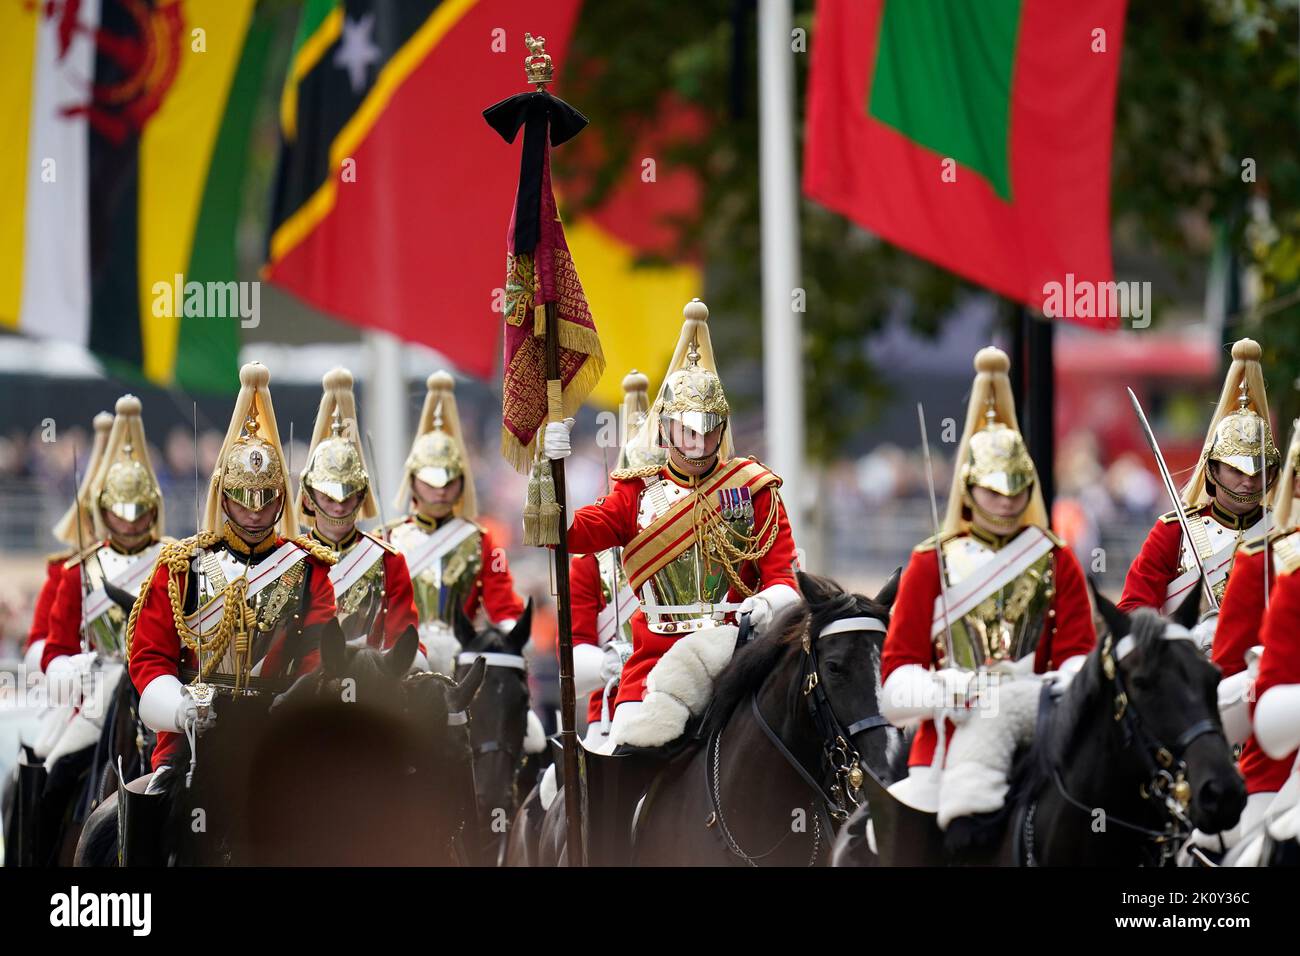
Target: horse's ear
(522, 630)
(890, 591)
(1117, 622)
(333, 648)
(399, 658)
(1188, 612)
(462, 695)
(462, 626)
(816, 590)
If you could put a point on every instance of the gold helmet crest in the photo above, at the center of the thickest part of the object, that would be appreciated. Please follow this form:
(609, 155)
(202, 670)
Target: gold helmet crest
(336, 466)
(65, 529)
(438, 455)
(692, 392)
(124, 483)
(997, 459)
(638, 448)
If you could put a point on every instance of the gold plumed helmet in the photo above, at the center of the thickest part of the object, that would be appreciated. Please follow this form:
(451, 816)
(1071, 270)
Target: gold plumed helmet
(336, 466)
(692, 392)
(1283, 491)
(251, 469)
(438, 455)
(992, 453)
(1239, 434)
(125, 484)
(638, 449)
(65, 529)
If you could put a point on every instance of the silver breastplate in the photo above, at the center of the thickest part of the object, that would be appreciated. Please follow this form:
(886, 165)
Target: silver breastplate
(448, 581)
(107, 633)
(1007, 624)
(1212, 538)
(691, 583)
(613, 582)
(360, 605)
(272, 608)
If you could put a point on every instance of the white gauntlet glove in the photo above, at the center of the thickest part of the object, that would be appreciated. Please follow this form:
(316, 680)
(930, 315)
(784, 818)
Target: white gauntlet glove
(166, 705)
(65, 674)
(614, 656)
(555, 439)
(1203, 632)
(765, 605)
(187, 714)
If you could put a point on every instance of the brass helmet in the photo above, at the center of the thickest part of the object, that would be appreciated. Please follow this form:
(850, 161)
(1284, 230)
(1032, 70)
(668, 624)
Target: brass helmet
(334, 467)
(692, 392)
(1243, 439)
(251, 474)
(638, 449)
(435, 457)
(124, 483)
(997, 458)
(438, 455)
(80, 511)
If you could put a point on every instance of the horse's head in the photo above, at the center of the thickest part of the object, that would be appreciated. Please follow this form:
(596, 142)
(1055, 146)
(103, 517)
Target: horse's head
(363, 675)
(843, 643)
(500, 711)
(1165, 706)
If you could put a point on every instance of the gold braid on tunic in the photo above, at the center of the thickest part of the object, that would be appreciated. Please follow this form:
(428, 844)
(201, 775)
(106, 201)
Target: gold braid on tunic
(717, 539)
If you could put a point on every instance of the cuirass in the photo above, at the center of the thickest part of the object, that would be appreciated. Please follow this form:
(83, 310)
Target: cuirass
(361, 604)
(273, 609)
(691, 578)
(612, 576)
(1216, 538)
(1007, 624)
(447, 582)
(107, 633)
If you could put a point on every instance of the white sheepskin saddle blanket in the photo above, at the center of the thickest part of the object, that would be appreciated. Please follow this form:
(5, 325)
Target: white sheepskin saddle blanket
(974, 777)
(441, 647)
(679, 687)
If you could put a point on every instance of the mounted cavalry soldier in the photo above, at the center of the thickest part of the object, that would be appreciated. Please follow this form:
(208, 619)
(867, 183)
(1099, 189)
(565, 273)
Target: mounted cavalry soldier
(1222, 501)
(75, 530)
(601, 603)
(995, 598)
(1255, 573)
(119, 510)
(705, 539)
(372, 589)
(238, 607)
(453, 560)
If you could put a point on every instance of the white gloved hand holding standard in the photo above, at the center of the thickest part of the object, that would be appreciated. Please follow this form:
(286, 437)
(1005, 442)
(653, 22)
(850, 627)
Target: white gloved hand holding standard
(614, 656)
(555, 440)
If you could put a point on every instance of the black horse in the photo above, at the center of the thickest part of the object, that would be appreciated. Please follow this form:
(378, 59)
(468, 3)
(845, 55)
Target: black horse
(1123, 764)
(793, 727)
(499, 725)
(355, 764)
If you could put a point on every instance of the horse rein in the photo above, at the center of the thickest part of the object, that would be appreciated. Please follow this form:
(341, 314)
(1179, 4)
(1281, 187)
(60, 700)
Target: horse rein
(839, 757)
(467, 659)
(1166, 785)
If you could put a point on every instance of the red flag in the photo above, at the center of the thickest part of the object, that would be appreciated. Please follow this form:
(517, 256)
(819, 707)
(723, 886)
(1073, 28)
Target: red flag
(975, 135)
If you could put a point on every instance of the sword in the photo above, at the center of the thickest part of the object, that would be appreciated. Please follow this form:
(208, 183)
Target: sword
(200, 690)
(1173, 496)
(949, 647)
(81, 550)
(379, 498)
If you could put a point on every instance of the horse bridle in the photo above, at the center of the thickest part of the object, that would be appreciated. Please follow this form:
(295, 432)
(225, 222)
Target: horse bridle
(466, 659)
(1166, 784)
(840, 761)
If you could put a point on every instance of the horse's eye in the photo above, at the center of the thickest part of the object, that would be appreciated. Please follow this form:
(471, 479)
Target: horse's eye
(1144, 681)
(835, 667)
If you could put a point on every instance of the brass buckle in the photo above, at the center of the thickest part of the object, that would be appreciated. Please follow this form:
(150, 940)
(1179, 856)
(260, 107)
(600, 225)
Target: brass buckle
(810, 684)
(1121, 705)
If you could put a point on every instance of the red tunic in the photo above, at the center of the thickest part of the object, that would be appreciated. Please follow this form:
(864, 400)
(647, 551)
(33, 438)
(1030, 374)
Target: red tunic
(156, 648)
(1281, 639)
(612, 522)
(1156, 566)
(1238, 630)
(63, 638)
(1069, 631)
(494, 588)
(45, 600)
(398, 611)
(586, 601)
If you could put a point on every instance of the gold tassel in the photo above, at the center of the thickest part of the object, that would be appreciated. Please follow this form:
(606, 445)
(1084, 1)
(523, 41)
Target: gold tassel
(532, 507)
(548, 523)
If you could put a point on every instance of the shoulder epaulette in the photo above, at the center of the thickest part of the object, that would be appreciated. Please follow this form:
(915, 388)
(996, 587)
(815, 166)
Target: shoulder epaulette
(627, 474)
(1257, 545)
(380, 541)
(187, 547)
(1286, 553)
(1053, 537)
(316, 550)
(79, 556)
(929, 543)
(1169, 517)
(59, 557)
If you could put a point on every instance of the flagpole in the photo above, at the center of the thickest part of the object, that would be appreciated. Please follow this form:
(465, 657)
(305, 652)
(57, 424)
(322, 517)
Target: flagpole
(783, 405)
(385, 400)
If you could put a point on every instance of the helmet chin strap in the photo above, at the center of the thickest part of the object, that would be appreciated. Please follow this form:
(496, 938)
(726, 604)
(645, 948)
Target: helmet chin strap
(248, 535)
(998, 524)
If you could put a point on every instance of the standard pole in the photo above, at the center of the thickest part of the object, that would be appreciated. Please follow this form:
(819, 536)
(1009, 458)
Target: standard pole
(1040, 400)
(564, 622)
(783, 400)
(385, 401)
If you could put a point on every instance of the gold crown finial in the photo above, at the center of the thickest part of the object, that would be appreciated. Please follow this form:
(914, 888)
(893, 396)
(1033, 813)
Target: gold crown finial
(538, 66)
(250, 423)
(991, 412)
(1243, 395)
(693, 355)
(336, 424)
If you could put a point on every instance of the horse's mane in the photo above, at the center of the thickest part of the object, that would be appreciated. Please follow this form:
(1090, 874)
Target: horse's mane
(753, 663)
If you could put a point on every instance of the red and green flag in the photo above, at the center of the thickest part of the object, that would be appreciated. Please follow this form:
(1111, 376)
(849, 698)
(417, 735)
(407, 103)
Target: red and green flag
(976, 135)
